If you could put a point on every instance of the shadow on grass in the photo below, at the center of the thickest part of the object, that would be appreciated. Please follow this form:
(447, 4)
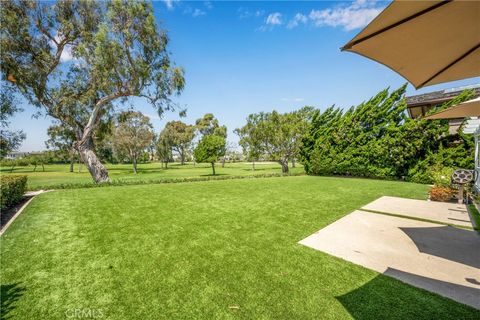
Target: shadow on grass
(10, 293)
(386, 298)
(260, 169)
(211, 175)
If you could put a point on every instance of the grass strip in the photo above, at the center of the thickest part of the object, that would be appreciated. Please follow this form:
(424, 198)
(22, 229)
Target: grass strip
(416, 218)
(472, 208)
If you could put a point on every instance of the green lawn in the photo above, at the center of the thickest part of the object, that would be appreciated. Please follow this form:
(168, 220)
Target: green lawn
(58, 174)
(202, 250)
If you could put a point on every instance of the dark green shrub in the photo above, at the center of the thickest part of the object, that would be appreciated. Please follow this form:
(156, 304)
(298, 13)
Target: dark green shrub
(378, 140)
(12, 188)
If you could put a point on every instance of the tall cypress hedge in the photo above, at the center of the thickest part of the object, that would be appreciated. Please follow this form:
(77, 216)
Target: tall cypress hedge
(377, 139)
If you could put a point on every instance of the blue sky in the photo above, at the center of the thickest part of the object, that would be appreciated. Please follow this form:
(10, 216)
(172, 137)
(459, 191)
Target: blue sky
(247, 57)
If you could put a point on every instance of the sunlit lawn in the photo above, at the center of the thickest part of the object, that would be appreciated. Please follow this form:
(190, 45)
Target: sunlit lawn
(204, 250)
(58, 174)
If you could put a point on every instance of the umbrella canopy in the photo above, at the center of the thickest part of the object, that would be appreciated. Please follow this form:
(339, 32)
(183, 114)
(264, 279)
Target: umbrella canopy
(426, 42)
(466, 109)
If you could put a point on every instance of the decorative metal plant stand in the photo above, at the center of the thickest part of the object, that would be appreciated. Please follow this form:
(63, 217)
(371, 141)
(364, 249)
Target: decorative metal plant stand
(462, 177)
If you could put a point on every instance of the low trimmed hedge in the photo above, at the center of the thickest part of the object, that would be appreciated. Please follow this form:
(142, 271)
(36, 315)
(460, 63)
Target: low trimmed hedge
(127, 182)
(12, 188)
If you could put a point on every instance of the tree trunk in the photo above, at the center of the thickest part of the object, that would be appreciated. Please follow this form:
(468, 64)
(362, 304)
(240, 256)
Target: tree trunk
(213, 167)
(253, 165)
(166, 164)
(293, 163)
(34, 168)
(223, 162)
(182, 157)
(284, 164)
(43, 167)
(134, 160)
(95, 167)
(72, 161)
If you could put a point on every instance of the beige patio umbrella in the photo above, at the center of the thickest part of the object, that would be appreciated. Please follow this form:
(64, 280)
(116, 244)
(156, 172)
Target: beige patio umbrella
(426, 42)
(466, 109)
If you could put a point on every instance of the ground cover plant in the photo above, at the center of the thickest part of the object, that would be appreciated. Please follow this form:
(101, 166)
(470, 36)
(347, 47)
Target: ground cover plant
(59, 175)
(204, 250)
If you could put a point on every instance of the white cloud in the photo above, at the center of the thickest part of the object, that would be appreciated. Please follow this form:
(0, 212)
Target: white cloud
(354, 16)
(274, 19)
(67, 50)
(194, 12)
(153, 116)
(347, 16)
(197, 13)
(66, 54)
(293, 99)
(297, 19)
(168, 4)
(208, 5)
(244, 13)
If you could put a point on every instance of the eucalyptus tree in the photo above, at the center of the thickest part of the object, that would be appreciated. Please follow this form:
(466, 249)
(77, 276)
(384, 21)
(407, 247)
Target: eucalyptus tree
(9, 140)
(251, 139)
(277, 135)
(62, 138)
(76, 60)
(209, 125)
(132, 135)
(181, 136)
(164, 148)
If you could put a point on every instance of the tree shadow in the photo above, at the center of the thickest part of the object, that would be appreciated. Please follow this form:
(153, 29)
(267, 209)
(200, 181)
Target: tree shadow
(386, 298)
(447, 242)
(261, 169)
(216, 175)
(9, 295)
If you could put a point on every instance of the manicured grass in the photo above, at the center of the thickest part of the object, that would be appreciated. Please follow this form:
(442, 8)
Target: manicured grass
(475, 215)
(203, 250)
(58, 174)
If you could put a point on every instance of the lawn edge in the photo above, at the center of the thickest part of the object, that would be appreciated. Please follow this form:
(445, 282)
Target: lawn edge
(418, 219)
(22, 208)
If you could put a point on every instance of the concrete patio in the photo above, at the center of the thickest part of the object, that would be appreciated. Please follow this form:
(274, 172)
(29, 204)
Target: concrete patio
(433, 256)
(448, 213)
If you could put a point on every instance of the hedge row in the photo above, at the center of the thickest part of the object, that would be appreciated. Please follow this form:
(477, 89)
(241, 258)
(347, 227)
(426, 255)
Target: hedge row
(12, 188)
(377, 139)
(126, 182)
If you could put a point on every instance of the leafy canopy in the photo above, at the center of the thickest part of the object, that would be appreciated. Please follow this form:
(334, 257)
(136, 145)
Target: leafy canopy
(9, 140)
(378, 139)
(133, 134)
(210, 148)
(72, 58)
